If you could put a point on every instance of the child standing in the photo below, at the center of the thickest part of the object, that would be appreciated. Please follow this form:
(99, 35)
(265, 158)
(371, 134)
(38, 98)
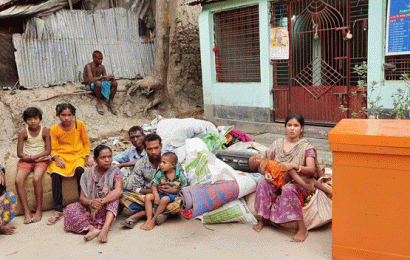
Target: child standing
(33, 149)
(70, 148)
(165, 187)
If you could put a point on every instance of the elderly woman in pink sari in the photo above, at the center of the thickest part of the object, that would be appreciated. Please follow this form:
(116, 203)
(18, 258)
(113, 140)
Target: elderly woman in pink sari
(294, 153)
(101, 188)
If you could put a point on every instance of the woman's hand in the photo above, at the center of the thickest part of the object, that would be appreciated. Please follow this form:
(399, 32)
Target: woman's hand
(59, 163)
(96, 203)
(295, 166)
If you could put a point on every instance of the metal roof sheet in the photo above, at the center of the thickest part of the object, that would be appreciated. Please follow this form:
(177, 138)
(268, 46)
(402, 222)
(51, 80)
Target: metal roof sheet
(54, 49)
(203, 2)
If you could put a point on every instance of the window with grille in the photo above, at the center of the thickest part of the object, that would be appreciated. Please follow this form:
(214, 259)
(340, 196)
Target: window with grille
(237, 50)
(396, 66)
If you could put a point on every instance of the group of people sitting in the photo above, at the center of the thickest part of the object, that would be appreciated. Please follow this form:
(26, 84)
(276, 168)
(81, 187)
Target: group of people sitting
(141, 178)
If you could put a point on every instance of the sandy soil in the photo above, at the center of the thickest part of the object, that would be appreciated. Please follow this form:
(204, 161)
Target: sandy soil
(130, 112)
(175, 239)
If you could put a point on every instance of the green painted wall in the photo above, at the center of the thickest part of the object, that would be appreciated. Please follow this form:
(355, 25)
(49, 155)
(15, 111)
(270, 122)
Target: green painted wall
(235, 94)
(377, 42)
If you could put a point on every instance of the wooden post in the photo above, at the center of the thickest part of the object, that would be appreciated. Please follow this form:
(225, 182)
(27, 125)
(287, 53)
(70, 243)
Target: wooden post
(70, 4)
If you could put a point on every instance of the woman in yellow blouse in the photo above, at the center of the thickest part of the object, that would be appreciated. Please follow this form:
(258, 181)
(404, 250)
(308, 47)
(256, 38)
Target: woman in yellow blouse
(70, 148)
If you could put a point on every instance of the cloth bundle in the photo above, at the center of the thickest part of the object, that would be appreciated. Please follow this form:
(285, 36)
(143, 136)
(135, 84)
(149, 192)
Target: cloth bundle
(202, 198)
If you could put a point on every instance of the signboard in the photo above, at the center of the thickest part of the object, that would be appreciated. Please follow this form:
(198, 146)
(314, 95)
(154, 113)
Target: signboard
(279, 43)
(398, 27)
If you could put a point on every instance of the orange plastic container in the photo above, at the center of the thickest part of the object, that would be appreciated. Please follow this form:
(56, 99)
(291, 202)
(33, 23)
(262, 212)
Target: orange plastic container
(371, 189)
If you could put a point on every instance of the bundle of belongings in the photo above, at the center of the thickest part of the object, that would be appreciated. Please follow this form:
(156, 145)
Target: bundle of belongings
(221, 185)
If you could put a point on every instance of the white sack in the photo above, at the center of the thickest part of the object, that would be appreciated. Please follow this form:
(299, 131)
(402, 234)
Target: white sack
(202, 166)
(174, 131)
(234, 211)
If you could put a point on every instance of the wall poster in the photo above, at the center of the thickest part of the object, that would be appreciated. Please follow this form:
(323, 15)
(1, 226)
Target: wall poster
(279, 45)
(398, 27)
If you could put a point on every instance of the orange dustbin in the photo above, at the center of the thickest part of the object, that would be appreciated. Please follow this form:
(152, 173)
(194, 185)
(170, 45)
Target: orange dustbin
(371, 189)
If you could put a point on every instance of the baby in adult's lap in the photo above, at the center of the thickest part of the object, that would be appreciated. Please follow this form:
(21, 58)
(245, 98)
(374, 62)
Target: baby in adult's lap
(276, 174)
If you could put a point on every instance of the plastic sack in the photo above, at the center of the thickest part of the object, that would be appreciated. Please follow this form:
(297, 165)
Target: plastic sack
(214, 141)
(234, 211)
(202, 166)
(174, 131)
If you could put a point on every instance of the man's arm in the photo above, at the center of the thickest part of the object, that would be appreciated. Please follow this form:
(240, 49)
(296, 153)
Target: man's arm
(88, 75)
(123, 157)
(104, 74)
(138, 181)
(128, 164)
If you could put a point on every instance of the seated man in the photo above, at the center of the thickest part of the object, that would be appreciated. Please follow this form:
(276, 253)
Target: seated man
(141, 182)
(127, 159)
(96, 78)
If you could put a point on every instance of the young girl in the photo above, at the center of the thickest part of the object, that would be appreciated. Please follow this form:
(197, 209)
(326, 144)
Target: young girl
(70, 148)
(33, 149)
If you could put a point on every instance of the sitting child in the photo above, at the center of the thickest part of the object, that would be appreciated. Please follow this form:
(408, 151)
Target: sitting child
(33, 149)
(278, 176)
(165, 187)
(8, 203)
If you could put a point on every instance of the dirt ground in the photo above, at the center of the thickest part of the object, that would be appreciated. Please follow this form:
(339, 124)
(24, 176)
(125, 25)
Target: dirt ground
(175, 239)
(99, 127)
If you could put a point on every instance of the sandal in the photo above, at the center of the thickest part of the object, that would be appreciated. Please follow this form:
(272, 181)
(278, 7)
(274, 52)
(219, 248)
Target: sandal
(129, 223)
(112, 109)
(54, 218)
(100, 108)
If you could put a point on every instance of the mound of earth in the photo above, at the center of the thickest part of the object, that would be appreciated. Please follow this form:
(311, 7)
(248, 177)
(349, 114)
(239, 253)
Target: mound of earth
(99, 127)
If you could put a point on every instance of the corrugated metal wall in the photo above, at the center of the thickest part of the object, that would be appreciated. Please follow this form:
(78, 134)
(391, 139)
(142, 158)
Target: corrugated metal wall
(55, 49)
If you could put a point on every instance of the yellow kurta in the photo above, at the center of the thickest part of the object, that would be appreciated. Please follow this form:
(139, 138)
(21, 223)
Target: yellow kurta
(70, 146)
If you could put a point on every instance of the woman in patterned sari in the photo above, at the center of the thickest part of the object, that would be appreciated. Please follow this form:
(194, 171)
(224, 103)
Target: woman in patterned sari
(294, 153)
(101, 188)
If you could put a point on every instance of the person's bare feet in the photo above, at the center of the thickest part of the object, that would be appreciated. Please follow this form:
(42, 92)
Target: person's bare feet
(37, 216)
(144, 225)
(300, 236)
(103, 236)
(258, 227)
(149, 225)
(92, 233)
(111, 107)
(7, 229)
(28, 219)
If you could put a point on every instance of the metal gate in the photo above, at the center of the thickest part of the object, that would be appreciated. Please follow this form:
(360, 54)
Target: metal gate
(316, 79)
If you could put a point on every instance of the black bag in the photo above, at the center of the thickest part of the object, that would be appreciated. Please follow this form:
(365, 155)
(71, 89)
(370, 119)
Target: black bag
(236, 159)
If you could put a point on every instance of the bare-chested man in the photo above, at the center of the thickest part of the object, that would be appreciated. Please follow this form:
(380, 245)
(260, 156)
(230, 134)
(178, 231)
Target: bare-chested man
(97, 79)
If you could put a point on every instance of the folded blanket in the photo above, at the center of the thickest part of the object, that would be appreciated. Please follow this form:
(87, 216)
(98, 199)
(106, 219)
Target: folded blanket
(202, 198)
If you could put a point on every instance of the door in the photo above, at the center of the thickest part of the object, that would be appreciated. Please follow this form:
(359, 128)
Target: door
(316, 80)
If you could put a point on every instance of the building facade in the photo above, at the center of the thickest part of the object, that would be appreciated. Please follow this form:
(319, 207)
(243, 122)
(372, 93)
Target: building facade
(264, 59)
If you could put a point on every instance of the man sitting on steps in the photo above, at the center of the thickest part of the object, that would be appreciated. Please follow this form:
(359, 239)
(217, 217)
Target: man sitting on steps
(96, 78)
